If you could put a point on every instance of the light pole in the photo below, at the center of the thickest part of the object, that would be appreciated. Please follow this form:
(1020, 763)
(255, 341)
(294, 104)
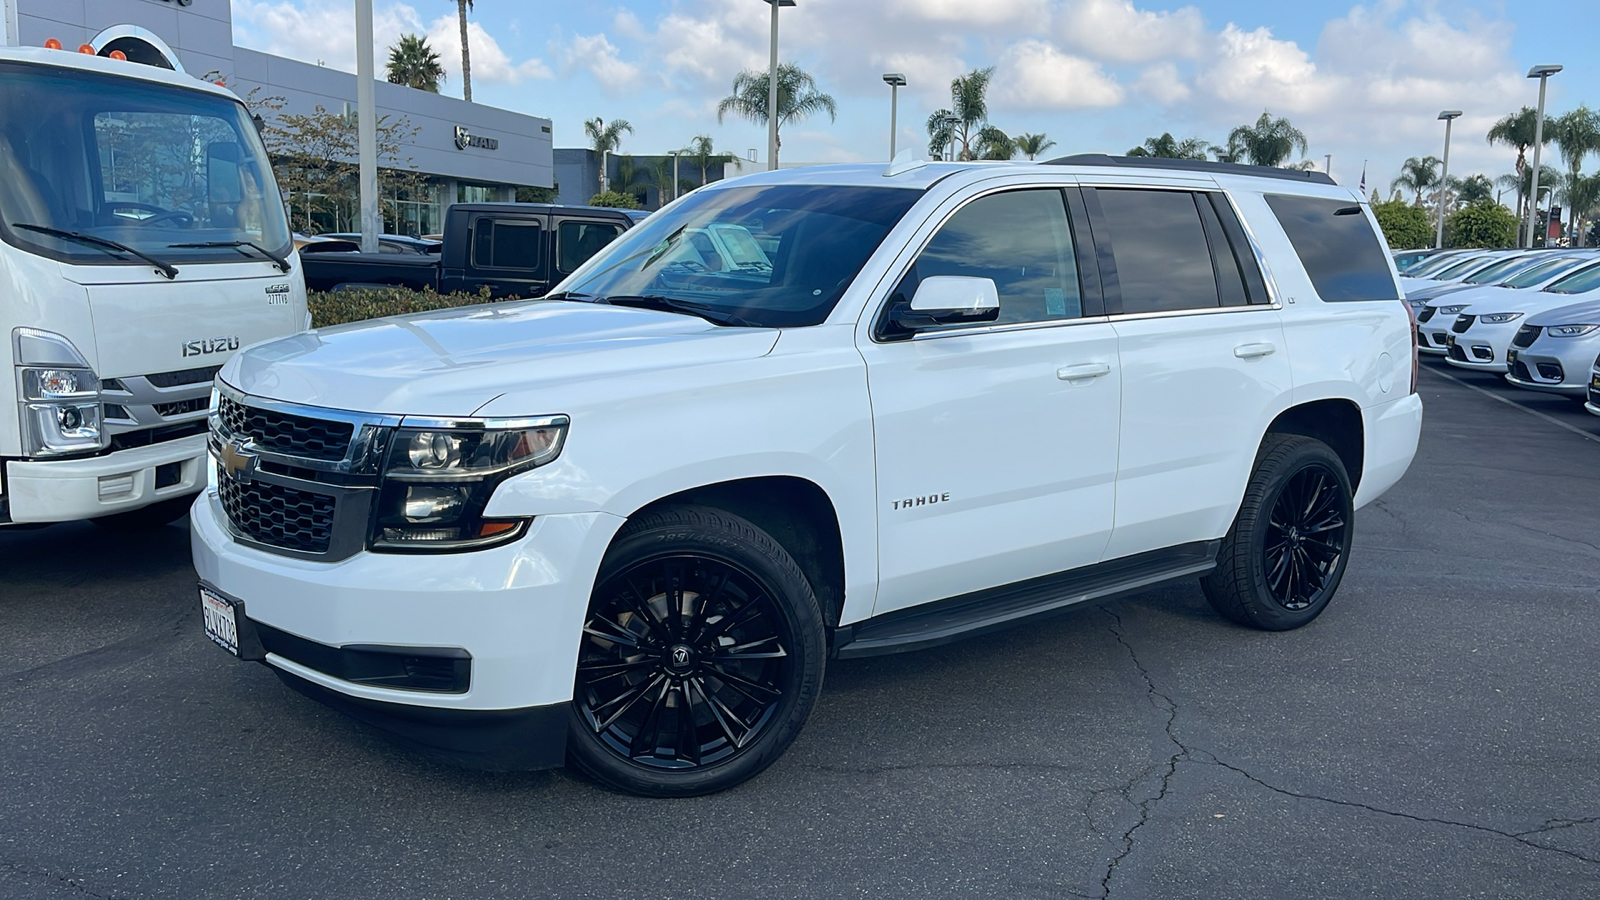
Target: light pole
(675, 155)
(1327, 165)
(366, 130)
(1449, 116)
(772, 88)
(950, 123)
(895, 81)
(1542, 73)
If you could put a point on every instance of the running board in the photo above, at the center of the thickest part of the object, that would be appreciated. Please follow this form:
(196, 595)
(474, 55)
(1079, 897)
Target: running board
(943, 621)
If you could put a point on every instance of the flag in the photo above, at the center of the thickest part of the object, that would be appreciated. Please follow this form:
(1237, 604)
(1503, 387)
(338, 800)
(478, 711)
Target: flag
(1363, 176)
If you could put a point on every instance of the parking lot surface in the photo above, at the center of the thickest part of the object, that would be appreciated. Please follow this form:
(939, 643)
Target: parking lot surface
(1432, 735)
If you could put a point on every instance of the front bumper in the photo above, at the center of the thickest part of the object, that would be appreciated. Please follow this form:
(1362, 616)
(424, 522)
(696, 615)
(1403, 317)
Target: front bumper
(1537, 368)
(68, 490)
(1481, 347)
(517, 611)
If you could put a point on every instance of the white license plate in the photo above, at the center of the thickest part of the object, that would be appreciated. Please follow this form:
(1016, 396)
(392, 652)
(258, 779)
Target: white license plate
(220, 623)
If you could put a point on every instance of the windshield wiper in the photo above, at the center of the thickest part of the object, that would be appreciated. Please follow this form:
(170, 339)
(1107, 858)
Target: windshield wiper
(673, 304)
(281, 262)
(166, 269)
(567, 295)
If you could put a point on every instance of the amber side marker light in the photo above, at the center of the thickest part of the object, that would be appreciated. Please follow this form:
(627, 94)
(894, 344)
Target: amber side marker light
(86, 49)
(118, 54)
(52, 44)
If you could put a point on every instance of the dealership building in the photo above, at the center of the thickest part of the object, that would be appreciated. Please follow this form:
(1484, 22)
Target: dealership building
(465, 152)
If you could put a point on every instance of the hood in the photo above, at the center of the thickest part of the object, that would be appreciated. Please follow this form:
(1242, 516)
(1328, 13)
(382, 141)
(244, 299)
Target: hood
(1526, 302)
(1438, 289)
(1489, 294)
(451, 362)
(1585, 313)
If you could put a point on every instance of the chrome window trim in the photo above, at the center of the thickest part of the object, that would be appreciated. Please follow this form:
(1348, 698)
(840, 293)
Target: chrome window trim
(484, 423)
(1203, 311)
(1008, 327)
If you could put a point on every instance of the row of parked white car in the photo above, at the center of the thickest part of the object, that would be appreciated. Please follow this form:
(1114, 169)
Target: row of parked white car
(1533, 315)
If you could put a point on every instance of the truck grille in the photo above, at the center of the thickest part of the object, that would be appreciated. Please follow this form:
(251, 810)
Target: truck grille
(287, 434)
(182, 377)
(1526, 335)
(277, 515)
(1463, 323)
(181, 407)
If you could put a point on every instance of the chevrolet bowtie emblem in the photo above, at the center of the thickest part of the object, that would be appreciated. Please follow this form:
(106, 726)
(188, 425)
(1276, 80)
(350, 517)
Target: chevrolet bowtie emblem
(236, 462)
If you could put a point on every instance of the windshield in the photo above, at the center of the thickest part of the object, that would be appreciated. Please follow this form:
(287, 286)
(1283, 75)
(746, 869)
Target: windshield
(1542, 272)
(1459, 269)
(771, 256)
(1432, 264)
(145, 165)
(1497, 271)
(1578, 282)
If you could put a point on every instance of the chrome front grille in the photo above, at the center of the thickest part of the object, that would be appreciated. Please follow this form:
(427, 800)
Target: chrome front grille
(285, 433)
(297, 480)
(143, 403)
(279, 516)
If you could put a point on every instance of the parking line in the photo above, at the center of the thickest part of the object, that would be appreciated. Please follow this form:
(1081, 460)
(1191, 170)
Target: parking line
(1509, 402)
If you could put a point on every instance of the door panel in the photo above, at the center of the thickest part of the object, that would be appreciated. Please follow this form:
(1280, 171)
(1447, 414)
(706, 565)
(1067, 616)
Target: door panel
(996, 446)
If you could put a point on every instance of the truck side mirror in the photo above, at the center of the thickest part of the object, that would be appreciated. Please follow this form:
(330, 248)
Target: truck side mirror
(948, 300)
(223, 187)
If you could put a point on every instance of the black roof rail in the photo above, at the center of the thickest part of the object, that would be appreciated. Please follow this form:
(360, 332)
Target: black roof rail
(1190, 165)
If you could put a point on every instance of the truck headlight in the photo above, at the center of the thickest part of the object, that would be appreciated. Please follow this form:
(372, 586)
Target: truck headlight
(1571, 330)
(58, 394)
(440, 474)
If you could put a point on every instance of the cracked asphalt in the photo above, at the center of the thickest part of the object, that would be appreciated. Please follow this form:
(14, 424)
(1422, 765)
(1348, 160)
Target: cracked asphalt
(1431, 735)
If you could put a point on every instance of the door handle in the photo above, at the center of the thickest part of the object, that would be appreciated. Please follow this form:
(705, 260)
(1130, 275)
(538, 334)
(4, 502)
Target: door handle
(1083, 371)
(1252, 351)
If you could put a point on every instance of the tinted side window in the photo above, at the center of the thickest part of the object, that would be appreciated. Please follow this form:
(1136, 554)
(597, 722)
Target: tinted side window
(507, 244)
(1338, 247)
(1163, 257)
(577, 241)
(1021, 240)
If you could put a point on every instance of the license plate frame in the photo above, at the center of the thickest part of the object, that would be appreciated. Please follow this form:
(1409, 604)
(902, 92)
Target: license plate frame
(220, 618)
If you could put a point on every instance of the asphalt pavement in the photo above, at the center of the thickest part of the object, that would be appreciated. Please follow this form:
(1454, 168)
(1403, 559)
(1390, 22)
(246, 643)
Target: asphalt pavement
(1431, 735)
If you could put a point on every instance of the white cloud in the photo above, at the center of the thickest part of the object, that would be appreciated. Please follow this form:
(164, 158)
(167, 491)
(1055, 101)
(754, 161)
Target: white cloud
(1162, 83)
(982, 13)
(1036, 74)
(1116, 31)
(600, 58)
(490, 64)
(1254, 69)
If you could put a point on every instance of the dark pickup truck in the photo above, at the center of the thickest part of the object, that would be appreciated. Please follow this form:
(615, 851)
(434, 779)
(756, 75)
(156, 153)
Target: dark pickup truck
(513, 249)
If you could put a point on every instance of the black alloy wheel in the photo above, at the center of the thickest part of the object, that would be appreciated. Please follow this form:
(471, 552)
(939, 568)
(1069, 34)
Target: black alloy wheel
(1286, 553)
(1305, 538)
(700, 657)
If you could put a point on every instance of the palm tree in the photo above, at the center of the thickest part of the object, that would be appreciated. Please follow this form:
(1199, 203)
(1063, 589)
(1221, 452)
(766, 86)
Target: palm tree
(1583, 197)
(702, 154)
(1168, 147)
(1577, 134)
(1268, 142)
(1517, 130)
(966, 118)
(1417, 175)
(1235, 152)
(1472, 190)
(994, 144)
(798, 98)
(414, 64)
(1033, 144)
(605, 138)
(1522, 184)
(466, 56)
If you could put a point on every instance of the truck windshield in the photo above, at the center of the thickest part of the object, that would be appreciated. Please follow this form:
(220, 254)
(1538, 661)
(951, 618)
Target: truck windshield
(772, 256)
(177, 174)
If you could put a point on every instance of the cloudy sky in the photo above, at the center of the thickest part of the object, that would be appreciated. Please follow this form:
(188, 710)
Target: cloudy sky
(1364, 82)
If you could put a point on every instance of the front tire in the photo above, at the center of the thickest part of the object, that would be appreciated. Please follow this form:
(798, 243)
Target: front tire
(702, 655)
(1286, 553)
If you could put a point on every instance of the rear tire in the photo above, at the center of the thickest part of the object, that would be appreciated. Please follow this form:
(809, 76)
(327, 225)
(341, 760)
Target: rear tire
(702, 655)
(156, 515)
(1286, 553)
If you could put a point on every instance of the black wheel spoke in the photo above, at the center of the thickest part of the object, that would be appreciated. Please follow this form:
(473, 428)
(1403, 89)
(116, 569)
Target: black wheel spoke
(598, 670)
(631, 697)
(616, 633)
(757, 692)
(1307, 531)
(648, 737)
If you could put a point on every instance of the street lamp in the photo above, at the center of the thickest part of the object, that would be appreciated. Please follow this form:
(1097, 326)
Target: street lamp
(1542, 73)
(675, 182)
(772, 87)
(895, 81)
(950, 123)
(1449, 116)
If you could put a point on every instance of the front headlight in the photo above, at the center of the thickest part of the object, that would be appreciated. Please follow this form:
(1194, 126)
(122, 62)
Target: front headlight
(1499, 318)
(1451, 310)
(440, 474)
(58, 396)
(1571, 330)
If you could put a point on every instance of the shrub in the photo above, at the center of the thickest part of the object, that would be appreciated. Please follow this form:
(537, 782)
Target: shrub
(1404, 226)
(1480, 225)
(615, 200)
(339, 307)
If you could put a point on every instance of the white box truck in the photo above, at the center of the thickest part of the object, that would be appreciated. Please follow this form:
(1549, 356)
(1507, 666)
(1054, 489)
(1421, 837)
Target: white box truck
(142, 242)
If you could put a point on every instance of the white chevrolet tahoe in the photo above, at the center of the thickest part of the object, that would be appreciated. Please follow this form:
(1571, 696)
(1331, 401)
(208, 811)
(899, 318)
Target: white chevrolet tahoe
(628, 525)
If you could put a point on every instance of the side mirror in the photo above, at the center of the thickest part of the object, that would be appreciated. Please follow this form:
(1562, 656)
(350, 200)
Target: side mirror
(948, 300)
(223, 187)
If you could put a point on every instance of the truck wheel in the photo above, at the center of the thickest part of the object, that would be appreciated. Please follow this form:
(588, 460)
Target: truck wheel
(1283, 558)
(157, 514)
(702, 654)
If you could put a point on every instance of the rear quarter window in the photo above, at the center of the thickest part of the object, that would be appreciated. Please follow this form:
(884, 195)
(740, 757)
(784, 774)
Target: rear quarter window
(1338, 247)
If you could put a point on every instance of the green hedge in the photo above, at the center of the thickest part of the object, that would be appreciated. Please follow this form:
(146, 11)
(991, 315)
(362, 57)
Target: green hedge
(339, 307)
